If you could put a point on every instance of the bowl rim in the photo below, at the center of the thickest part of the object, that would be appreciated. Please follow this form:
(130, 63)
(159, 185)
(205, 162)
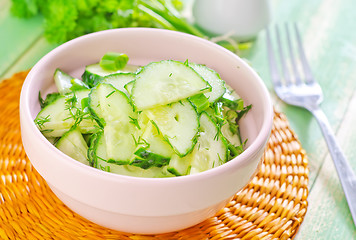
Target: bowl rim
(259, 141)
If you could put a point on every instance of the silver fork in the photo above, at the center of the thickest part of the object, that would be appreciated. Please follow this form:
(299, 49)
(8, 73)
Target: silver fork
(305, 92)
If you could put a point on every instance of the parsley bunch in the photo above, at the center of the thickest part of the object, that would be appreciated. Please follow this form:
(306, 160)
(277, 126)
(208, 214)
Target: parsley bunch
(68, 19)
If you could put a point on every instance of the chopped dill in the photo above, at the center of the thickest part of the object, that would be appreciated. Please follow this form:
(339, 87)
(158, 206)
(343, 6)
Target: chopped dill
(155, 124)
(134, 121)
(76, 113)
(42, 120)
(140, 141)
(107, 96)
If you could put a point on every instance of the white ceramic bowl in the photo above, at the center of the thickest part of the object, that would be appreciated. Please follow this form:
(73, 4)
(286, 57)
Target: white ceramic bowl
(141, 205)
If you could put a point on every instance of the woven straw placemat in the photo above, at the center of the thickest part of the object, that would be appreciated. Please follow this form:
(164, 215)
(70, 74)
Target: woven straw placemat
(271, 206)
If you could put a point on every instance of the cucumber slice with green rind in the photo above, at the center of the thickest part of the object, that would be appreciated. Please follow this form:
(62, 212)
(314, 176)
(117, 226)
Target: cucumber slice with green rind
(99, 156)
(213, 78)
(128, 87)
(119, 80)
(146, 159)
(211, 150)
(62, 81)
(73, 144)
(62, 114)
(180, 166)
(120, 145)
(154, 141)
(96, 148)
(94, 73)
(66, 83)
(53, 120)
(230, 136)
(113, 111)
(179, 123)
(106, 103)
(164, 82)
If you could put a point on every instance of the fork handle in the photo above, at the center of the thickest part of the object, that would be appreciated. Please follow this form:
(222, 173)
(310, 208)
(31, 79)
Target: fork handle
(343, 168)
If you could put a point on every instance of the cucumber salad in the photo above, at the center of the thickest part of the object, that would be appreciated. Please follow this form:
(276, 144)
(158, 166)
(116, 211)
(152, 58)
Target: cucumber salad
(164, 119)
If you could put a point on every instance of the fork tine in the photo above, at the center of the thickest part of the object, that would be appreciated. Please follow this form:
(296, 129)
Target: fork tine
(292, 57)
(307, 71)
(285, 71)
(275, 76)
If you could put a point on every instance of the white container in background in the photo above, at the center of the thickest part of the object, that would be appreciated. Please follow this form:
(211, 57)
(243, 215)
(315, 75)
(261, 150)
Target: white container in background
(242, 19)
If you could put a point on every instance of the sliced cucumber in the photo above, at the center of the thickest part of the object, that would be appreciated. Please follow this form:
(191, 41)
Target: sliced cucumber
(230, 136)
(142, 121)
(155, 142)
(53, 120)
(114, 112)
(99, 155)
(87, 124)
(53, 140)
(129, 170)
(94, 73)
(180, 166)
(62, 81)
(164, 82)
(119, 80)
(106, 103)
(213, 78)
(178, 122)
(97, 148)
(146, 159)
(230, 128)
(166, 119)
(66, 83)
(129, 86)
(120, 140)
(73, 144)
(211, 150)
(59, 116)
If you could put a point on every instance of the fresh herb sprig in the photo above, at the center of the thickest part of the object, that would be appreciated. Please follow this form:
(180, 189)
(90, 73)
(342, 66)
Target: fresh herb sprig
(78, 114)
(41, 121)
(67, 19)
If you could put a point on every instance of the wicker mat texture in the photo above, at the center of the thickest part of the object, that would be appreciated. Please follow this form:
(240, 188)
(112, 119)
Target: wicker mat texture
(271, 206)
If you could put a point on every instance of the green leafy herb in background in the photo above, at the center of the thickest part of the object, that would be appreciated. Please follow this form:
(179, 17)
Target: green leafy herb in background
(68, 19)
